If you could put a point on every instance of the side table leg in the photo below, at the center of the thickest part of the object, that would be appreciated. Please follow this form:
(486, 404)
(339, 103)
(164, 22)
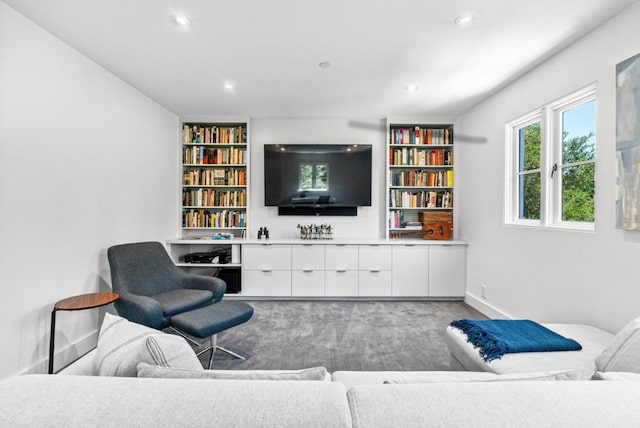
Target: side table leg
(52, 339)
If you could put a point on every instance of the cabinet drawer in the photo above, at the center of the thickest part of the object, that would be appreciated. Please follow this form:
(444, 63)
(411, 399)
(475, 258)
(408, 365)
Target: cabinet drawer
(341, 257)
(307, 257)
(374, 257)
(374, 283)
(266, 283)
(266, 257)
(307, 283)
(341, 283)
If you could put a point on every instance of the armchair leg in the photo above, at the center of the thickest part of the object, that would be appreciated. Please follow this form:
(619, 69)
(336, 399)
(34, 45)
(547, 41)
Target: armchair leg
(213, 346)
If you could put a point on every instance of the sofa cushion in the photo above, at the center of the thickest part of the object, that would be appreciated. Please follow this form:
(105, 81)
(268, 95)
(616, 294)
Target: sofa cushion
(622, 354)
(435, 377)
(624, 376)
(496, 404)
(148, 370)
(123, 344)
(99, 401)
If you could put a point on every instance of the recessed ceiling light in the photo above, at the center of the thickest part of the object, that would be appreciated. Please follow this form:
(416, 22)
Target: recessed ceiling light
(183, 20)
(411, 88)
(464, 19)
(228, 86)
(324, 64)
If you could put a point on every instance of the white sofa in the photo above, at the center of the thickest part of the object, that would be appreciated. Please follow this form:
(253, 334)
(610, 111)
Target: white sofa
(77, 397)
(100, 401)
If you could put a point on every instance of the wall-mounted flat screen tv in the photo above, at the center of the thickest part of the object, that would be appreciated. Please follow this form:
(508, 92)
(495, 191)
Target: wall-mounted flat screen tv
(317, 174)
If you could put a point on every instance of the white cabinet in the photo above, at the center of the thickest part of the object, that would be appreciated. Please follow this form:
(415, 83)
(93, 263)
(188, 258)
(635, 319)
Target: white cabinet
(398, 269)
(410, 271)
(374, 266)
(341, 270)
(266, 270)
(307, 270)
(447, 271)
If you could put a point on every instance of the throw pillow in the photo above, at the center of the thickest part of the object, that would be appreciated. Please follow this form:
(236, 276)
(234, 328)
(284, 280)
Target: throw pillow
(487, 377)
(122, 344)
(633, 377)
(623, 353)
(148, 370)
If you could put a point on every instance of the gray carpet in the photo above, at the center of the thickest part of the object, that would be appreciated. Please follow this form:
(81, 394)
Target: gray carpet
(342, 335)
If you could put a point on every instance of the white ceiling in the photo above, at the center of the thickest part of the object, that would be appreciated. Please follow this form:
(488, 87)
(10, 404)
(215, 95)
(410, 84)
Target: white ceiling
(270, 50)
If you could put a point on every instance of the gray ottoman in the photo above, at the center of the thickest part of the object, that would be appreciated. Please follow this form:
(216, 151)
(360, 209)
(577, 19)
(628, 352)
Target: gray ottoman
(211, 320)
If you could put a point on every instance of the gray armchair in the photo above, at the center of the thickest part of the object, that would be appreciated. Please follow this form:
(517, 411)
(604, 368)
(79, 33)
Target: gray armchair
(152, 289)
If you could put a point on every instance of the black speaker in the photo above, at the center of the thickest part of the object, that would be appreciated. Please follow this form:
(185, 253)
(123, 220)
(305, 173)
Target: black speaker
(231, 276)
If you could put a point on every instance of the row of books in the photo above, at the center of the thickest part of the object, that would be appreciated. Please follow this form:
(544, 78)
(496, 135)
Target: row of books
(205, 156)
(414, 156)
(208, 218)
(419, 135)
(215, 177)
(421, 199)
(421, 178)
(210, 134)
(214, 198)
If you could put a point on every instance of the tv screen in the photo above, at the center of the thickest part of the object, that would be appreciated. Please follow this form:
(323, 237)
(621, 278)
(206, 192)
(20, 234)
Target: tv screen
(320, 174)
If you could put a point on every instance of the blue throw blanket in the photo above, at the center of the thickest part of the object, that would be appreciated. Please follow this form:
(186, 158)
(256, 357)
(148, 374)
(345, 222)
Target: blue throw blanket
(494, 338)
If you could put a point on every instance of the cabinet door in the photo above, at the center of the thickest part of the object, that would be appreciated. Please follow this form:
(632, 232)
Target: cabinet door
(374, 257)
(341, 283)
(447, 267)
(307, 283)
(410, 275)
(307, 256)
(266, 257)
(341, 257)
(266, 283)
(374, 283)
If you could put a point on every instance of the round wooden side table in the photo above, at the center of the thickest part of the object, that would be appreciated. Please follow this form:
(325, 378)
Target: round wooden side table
(76, 303)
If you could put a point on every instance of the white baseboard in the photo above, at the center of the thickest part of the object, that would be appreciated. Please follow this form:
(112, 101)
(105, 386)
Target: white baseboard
(485, 308)
(64, 357)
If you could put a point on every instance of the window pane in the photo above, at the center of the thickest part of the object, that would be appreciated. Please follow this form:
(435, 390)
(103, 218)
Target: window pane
(529, 147)
(529, 205)
(322, 176)
(578, 184)
(578, 133)
(306, 173)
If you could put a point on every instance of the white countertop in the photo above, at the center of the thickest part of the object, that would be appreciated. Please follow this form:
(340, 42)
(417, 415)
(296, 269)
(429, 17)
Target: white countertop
(341, 241)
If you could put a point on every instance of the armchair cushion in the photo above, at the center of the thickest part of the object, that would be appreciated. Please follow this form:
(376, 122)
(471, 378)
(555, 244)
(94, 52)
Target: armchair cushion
(123, 344)
(182, 300)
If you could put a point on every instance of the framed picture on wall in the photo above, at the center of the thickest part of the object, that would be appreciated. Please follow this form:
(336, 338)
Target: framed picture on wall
(628, 143)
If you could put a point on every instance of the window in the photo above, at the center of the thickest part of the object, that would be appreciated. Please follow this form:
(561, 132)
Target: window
(550, 164)
(313, 176)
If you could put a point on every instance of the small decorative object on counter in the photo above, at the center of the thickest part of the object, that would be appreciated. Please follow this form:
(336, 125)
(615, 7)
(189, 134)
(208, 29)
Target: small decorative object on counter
(263, 232)
(316, 231)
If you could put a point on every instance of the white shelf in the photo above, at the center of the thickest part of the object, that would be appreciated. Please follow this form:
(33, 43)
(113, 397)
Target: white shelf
(209, 265)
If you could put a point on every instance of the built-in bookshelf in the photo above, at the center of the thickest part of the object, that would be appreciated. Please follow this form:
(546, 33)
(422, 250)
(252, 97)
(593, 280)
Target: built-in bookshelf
(214, 179)
(420, 175)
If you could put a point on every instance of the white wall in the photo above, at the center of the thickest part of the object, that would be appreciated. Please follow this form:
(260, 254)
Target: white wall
(551, 275)
(370, 221)
(86, 162)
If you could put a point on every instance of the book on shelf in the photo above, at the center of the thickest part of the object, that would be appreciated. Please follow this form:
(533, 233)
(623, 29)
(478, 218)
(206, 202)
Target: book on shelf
(212, 134)
(418, 135)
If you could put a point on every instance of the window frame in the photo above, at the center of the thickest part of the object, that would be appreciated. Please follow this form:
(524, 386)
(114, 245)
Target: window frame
(550, 117)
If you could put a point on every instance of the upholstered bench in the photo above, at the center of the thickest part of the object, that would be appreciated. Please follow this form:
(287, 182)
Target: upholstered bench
(211, 320)
(465, 356)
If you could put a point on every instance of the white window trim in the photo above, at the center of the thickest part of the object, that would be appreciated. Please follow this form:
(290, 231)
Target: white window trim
(550, 118)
